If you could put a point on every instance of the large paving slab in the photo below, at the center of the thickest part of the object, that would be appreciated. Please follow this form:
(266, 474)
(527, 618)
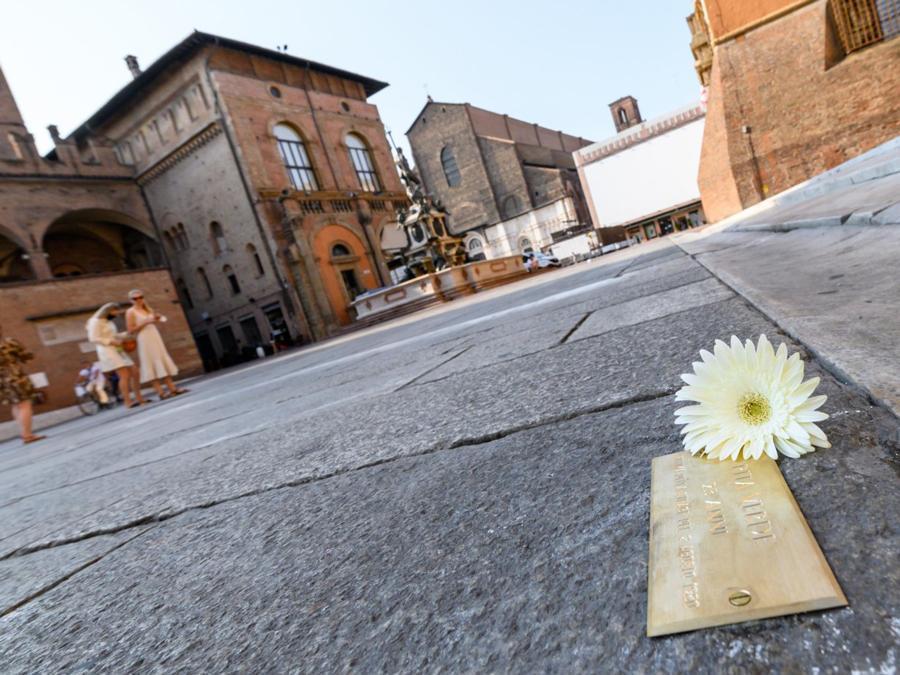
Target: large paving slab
(834, 289)
(463, 490)
(524, 554)
(851, 204)
(24, 578)
(632, 363)
(652, 307)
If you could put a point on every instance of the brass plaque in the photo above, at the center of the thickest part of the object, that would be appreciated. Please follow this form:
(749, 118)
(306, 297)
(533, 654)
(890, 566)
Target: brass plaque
(728, 543)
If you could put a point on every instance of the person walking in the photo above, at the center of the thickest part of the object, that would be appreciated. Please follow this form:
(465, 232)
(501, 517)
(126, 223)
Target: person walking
(16, 388)
(111, 355)
(156, 364)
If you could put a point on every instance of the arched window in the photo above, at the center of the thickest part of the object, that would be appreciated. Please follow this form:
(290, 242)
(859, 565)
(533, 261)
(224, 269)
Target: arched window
(451, 170)
(295, 158)
(339, 250)
(623, 116)
(257, 262)
(181, 235)
(475, 249)
(170, 241)
(232, 279)
(217, 238)
(204, 282)
(361, 159)
(511, 206)
(525, 245)
(184, 293)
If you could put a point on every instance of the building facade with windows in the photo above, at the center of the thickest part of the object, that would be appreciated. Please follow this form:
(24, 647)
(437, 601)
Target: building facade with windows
(507, 184)
(644, 179)
(794, 88)
(269, 178)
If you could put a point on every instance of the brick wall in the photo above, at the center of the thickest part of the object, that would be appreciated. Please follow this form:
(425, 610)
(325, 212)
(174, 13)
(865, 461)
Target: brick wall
(253, 111)
(471, 203)
(323, 118)
(493, 153)
(205, 186)
(725, 16)
(501, 161)
(804, 116)
(59, 341)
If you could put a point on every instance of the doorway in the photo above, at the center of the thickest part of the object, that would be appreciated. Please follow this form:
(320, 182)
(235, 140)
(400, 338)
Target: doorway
(207, 352)
(344, 268)
(250, 329)
(351, 284)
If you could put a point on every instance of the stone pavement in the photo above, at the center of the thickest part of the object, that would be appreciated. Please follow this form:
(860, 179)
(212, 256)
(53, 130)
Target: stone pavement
(822, 260)
(464, 489)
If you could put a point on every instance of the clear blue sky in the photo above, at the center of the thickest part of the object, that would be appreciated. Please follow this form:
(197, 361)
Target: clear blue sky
(555, 63)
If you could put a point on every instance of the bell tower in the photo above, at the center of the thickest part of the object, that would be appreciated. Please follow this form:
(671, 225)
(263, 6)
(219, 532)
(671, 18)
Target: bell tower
(625, 113)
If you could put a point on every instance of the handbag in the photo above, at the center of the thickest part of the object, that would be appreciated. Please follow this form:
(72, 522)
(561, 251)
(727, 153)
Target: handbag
(129, 345)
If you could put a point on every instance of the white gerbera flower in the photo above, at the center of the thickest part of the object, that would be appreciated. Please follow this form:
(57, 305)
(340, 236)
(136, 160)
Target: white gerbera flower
(750, 400)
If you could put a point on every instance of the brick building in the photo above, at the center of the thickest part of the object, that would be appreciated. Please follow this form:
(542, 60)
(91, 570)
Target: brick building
(643, 180)
(269, 178)
(75, 232)
(794, 88)
(509, 185)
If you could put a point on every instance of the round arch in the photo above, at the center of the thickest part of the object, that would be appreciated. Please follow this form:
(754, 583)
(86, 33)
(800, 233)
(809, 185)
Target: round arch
(97, 215)
(525, 245)
(14, 259)
(92, 241)
(476, 246)
(278, 121)
(359, 152)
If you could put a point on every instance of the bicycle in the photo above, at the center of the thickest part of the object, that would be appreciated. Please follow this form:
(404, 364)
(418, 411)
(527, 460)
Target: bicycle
(87, 403)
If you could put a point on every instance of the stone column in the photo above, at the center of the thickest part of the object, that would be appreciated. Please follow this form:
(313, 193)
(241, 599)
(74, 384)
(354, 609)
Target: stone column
(40, 266)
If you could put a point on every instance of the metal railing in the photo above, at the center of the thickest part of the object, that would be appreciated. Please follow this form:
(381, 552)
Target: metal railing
(861, 23)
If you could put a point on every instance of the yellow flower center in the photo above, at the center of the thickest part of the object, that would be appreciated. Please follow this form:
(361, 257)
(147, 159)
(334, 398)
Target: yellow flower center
(754, 409)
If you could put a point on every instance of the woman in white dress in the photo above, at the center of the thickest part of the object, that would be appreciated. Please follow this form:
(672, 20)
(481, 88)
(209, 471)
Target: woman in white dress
(103, 333)
(156, 364)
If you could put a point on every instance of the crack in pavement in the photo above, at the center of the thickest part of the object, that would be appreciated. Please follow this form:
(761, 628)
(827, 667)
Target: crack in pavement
(64, 525)
(56, 582)
(438, 447)
(582, 339)
(574, 328)
(129, 468)
(432, 369)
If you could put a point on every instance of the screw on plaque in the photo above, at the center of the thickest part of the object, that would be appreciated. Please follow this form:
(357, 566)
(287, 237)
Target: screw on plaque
(740, 598)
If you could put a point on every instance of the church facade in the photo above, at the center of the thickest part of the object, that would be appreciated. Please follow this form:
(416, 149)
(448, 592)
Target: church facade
(509, 186)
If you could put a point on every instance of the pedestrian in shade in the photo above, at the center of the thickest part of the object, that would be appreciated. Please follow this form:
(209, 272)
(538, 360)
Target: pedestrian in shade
(16, 389)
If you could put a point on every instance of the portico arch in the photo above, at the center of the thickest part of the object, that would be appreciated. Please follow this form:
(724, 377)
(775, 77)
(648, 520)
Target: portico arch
(94, 241)
(14, 258)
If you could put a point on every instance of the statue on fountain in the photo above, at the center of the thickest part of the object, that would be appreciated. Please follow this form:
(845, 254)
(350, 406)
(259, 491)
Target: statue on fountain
(430, 246)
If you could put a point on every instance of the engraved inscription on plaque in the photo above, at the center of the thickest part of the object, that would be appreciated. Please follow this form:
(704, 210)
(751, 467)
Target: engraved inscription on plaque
(728, 543)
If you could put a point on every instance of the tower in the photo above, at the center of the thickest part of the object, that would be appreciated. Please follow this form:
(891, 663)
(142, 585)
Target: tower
(13, 133)
(625, 113)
